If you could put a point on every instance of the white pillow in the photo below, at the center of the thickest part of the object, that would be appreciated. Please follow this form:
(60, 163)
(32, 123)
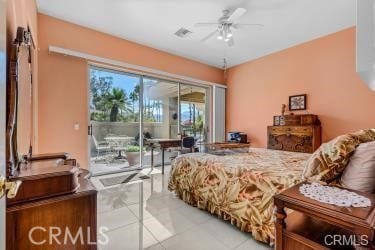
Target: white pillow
(359, 174)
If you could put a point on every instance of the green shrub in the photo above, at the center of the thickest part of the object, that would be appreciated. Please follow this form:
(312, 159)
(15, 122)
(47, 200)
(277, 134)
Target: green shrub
(99, 116)
(131, 149)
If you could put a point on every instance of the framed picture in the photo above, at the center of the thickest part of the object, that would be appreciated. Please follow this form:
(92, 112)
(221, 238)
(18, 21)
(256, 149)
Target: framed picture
(297, 102)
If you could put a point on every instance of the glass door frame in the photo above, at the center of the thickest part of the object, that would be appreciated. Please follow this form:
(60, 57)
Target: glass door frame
(97, 66)
(3, 72)
(208, 108)
(208, 97)
(177, 83)
(141, 76)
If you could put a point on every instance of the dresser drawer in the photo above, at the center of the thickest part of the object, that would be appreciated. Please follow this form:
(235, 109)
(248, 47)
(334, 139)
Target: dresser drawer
(304, 139)
(309, 120)
(295, 120)
(300, 130)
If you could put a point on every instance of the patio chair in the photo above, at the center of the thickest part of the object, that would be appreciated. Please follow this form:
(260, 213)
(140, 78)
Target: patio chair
(187, 146)
(118, 147)
(101, 147)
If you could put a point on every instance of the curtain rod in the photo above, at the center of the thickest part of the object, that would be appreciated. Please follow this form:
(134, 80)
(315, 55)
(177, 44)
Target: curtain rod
(131, 67)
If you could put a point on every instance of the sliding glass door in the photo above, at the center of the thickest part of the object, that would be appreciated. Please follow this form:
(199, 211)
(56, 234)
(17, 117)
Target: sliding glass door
(126, 109)
(114, 121)
(160, 114)
(195, 112)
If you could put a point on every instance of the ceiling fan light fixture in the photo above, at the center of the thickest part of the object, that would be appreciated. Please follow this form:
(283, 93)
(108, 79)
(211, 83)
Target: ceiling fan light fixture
(221, 35)
(226, 25)
(229, 33)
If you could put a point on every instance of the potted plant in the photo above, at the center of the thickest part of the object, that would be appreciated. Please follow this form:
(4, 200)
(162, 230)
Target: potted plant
(132, 154)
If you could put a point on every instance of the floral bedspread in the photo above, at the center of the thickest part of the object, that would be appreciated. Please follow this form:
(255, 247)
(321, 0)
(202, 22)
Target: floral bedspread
(238, 188)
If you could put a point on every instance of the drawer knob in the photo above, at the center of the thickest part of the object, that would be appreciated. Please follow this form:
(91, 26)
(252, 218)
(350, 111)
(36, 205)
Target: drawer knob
(12, 187)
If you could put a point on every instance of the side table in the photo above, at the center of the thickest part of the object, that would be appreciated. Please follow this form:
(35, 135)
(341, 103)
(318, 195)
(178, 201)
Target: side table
(316, 225)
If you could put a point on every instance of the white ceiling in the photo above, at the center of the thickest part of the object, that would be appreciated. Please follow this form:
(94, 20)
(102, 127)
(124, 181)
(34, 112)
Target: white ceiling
(154, 22)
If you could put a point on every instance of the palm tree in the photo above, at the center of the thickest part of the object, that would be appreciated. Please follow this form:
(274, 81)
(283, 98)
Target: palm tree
(137, 89)
(158, 111)
(133, 97)
(190, 113)
(99, 86)
(116, 101)
(194, 118)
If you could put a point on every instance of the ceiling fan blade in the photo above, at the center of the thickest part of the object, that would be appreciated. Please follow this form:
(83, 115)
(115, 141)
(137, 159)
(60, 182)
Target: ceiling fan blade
(248, 25)
(231, 42)
(206, 24)
(236, 15)
(209, 36)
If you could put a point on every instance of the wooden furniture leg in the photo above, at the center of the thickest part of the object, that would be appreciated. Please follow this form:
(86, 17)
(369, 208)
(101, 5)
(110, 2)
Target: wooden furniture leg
(279, 224)
(162, 161)
(165, 144)
(152, 157)
(141, 215)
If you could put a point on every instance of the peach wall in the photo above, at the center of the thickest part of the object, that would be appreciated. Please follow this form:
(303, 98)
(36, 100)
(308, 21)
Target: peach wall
(324, 69)
(21, 13)
(74, 37)
(63, 82)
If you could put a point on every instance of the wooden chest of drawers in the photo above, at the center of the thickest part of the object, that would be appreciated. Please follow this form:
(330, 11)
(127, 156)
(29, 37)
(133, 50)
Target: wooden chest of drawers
(295, 120)
(305, 139)
(53, 195)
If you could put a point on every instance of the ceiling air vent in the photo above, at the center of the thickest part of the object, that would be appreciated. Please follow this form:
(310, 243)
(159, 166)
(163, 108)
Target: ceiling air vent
(182, 32)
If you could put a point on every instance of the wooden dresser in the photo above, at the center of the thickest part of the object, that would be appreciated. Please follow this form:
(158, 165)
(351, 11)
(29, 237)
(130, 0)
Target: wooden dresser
(296, 133)
(54, 198)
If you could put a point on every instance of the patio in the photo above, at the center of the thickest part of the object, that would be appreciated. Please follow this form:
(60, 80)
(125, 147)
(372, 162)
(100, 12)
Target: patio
(111, 143)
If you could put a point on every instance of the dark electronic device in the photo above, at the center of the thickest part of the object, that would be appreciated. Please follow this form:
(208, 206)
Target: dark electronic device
(237, 137)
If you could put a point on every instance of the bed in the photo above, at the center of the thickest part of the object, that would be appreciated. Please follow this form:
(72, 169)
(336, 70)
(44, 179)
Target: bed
(238, 187)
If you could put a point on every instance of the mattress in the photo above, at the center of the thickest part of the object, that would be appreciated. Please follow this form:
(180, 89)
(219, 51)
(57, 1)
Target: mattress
(239, 187)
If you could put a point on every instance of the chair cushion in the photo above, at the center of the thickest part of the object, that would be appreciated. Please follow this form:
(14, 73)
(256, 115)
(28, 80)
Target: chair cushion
(188, 142)
(359, 174)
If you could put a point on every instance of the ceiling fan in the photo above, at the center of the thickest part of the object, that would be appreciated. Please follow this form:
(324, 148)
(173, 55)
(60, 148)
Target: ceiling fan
(225, 24)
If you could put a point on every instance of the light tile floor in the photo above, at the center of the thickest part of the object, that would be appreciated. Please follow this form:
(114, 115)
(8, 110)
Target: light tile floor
(168, 222)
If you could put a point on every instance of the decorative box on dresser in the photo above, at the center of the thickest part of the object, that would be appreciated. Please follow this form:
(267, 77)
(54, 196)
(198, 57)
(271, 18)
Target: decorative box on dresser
(296, 133)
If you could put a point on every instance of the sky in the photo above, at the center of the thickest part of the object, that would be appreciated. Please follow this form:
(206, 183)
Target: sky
(120, 80)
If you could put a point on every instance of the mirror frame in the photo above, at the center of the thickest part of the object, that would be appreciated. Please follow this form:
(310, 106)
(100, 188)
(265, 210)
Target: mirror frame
(23, 38)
